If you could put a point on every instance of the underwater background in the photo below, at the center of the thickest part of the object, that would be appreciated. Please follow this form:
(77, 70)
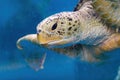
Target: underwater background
(20, 17)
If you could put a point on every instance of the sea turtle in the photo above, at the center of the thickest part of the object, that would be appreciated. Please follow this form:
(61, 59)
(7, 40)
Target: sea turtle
(78, 33)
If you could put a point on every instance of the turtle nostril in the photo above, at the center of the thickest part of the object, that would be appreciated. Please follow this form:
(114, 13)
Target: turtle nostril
(38, 31)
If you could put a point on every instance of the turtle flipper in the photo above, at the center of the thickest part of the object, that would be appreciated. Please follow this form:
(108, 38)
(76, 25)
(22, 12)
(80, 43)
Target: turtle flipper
(108, 11)
(96, 53)
(91, 53)
(111, 43)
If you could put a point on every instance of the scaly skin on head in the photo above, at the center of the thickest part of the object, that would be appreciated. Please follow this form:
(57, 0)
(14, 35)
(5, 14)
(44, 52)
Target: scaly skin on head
(59, 27)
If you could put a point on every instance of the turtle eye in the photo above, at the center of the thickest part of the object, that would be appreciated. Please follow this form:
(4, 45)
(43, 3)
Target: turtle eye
(54, 26)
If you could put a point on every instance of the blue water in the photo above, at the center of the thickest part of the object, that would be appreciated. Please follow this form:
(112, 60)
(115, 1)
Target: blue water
(20, 17)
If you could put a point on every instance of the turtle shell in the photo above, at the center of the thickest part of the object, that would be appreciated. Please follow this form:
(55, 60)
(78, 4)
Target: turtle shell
(107, 10)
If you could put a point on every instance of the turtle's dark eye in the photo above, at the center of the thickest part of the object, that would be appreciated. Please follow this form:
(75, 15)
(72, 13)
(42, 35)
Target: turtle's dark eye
(54, 26)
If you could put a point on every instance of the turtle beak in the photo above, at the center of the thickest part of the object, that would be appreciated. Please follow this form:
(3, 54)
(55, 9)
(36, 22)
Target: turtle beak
(45, 39)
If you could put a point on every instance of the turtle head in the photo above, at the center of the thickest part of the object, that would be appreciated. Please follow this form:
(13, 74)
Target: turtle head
(57, 30)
